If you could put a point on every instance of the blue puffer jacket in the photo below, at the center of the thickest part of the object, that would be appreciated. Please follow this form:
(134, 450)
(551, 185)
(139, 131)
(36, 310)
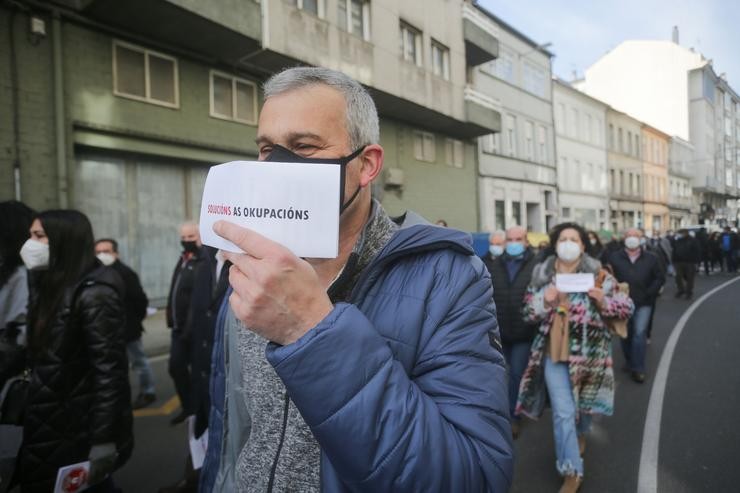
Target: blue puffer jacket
(217, 390)
(405, 387)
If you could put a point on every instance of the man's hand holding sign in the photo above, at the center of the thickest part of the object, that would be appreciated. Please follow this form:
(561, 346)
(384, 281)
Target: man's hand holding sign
(276, 294)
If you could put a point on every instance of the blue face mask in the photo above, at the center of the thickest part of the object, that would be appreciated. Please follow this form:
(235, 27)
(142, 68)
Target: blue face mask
(496, 250)
(515, 248)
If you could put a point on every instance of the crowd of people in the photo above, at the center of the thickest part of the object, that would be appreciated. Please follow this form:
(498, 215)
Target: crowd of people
(426, 355)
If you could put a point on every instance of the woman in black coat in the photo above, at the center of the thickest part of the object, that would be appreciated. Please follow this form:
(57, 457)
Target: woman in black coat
(79, 397)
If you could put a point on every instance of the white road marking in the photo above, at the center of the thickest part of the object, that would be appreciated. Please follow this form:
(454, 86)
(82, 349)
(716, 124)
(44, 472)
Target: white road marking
(647, 480)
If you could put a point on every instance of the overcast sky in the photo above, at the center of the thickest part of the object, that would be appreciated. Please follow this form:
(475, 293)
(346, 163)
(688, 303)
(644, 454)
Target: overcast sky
(582, 31)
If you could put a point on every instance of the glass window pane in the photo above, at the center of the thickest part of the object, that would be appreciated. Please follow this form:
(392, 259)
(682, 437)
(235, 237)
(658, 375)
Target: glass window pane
(311, 6)
(130, 72)
(245, 102)
(222, 96)
(357, 20)
(342, 14)
(500, 214)
(162, 79)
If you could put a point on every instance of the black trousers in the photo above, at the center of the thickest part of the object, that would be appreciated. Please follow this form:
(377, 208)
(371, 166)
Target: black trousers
(685, 274)
(179, 367)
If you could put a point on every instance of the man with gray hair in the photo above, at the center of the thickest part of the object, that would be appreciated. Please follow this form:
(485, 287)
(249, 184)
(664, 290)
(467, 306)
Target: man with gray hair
(511, 272)
(378, 370)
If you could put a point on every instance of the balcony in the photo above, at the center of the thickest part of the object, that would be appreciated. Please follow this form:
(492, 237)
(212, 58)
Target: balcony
(206, 28)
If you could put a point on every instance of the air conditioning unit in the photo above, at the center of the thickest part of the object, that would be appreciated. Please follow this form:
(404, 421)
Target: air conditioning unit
(393, 179)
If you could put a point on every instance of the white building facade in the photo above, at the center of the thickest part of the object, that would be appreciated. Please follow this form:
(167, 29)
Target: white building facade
(580, 143)
(676, 90)
(681, 206)
(517, 172)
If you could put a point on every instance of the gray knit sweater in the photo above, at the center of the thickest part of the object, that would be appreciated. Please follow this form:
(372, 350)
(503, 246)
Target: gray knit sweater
(280, 453)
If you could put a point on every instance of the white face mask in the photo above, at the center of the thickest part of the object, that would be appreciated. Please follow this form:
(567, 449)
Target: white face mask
(106, 258)
(632, 242)
(496, 250)
(35, 254)
(568, 251)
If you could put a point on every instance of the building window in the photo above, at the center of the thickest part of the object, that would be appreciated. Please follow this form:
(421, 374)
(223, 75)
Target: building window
(589, 130)
(516, 213)
(454, 153)
(492, 143)
(560, 118)
(440, 60)
(599, 132)
(500, 213)
(542, 144)
(424, 147)
(511, 135)
(629, 142)
(145, 75)
(315, 7)
(534, 79)
(573, 122)
(502, 67)
(233, 98)
(410, 44)
(529, 141)
(622, 189)
(611, 181)
(566, 212)
(639, 185)
(611, 136)
(637, 145)
(620, 140)
(356, 18)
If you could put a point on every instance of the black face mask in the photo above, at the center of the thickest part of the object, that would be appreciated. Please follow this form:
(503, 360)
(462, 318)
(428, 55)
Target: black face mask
(280, 154)
(189, 246)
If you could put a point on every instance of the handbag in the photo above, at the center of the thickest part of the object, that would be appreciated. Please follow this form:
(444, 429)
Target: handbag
(616, 326)
(14, 398)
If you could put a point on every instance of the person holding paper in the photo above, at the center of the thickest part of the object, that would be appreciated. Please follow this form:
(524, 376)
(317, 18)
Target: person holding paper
(571, 353)
(377, 370)
(79, 399)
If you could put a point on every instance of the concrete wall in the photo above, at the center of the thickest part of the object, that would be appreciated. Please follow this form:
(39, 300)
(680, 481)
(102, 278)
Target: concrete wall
(36, 124)
(433, 189)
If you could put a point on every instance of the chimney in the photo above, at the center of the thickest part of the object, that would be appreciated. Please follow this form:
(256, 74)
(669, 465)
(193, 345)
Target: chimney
(675, 34)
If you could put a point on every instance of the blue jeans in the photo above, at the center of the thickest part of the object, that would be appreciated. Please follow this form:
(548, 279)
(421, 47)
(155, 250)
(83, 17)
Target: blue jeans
(517, 357)
(140, 365)
(636, 342)
(566, 423)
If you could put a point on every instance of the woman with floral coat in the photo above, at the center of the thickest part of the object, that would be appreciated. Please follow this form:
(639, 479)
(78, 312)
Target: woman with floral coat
(570, 360)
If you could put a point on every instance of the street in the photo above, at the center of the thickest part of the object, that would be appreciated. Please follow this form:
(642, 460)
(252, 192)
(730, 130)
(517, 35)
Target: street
(699, 439)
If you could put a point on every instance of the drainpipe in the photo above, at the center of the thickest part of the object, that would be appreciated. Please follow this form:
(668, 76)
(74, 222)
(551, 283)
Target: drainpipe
(16, 111)
(59, 115)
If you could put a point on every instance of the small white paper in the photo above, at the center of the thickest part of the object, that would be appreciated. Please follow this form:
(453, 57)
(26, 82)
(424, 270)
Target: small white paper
(198, 446)
(74, 478)
(574, 283)
(296, 205)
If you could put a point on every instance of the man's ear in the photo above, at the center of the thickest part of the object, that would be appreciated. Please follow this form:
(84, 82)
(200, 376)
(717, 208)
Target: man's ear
(372, 164)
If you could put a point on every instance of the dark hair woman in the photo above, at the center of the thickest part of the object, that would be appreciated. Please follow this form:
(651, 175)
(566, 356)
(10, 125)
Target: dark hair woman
(570, 359)
(78, 397)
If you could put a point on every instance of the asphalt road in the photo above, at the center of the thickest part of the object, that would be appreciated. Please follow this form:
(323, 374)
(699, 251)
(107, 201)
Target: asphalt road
(699, 433)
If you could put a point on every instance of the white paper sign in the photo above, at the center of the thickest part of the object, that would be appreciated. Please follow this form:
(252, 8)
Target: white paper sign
(574, 283)
(198, 446)
(74, 478)
(296, 205)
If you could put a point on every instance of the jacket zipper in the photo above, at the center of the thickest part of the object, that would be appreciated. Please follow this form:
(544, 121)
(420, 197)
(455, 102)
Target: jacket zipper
(273, 470)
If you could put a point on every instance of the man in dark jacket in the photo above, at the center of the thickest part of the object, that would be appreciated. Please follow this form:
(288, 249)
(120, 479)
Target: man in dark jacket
(510, 274)
(178, 314)
(135, 303)
(380, 369)
(641, 270)
(728, 243)
(686, 254)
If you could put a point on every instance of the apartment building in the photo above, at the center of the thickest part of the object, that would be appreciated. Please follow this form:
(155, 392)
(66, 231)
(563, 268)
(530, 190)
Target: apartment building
(625, 168)
(655, 145)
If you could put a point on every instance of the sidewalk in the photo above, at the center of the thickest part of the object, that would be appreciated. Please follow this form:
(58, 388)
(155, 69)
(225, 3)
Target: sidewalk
(156, 337)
